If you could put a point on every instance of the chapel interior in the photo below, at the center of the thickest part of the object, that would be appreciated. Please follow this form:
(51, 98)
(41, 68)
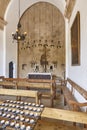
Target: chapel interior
(43, 65)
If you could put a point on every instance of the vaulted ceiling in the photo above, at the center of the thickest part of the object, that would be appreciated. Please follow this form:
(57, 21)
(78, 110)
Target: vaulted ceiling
(3, 7)
(4, 3)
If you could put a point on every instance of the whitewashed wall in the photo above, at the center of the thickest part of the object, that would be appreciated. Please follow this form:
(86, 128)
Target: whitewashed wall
(79, 73)
(1, 54)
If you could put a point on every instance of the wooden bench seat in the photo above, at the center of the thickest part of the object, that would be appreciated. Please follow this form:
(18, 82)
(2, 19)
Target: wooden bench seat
(66, 115)
(22, 93)
(5, 83)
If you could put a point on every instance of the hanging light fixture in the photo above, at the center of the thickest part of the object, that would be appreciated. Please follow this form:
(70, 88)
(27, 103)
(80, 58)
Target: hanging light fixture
(17, 35)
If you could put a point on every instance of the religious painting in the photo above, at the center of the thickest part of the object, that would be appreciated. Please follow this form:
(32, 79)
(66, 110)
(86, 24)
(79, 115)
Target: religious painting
(75, 40)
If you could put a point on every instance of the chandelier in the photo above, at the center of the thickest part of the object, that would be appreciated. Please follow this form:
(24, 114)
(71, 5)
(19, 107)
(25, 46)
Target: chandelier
(17, 35)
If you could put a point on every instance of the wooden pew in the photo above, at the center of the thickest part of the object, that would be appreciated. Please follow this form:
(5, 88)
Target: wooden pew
(8, 82)
(69, 97)
(43, 85)
(66, 115)
(40, 84)
(37, 84)
(55, 125)
(1, 77)
(22, 93)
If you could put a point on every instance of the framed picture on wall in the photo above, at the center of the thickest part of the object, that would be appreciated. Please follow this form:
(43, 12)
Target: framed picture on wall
(75, 40)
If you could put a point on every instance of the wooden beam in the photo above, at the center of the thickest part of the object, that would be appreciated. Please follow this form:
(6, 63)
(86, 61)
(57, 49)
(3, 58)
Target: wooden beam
(59, 114)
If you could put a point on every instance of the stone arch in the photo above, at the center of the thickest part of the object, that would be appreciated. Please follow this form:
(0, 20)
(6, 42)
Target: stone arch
(45, 27)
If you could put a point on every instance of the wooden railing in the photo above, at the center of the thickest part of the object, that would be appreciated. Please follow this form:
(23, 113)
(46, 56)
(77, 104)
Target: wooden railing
(82, 91)
(69, 94)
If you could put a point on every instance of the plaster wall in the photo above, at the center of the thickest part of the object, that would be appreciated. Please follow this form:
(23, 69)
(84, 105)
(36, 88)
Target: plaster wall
(1, 54)
(11, 17)
(79, 73)
(43, 50)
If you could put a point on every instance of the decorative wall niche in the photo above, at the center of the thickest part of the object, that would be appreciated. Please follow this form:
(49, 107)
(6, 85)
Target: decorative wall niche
(37, 68)
(23, 66)
(55, 64)
(51, 68)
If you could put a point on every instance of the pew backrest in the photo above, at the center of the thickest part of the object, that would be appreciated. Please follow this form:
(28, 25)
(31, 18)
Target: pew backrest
(22, 93)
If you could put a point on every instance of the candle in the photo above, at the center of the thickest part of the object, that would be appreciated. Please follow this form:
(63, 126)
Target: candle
(7, 123)
(32, 121)
(27, 120)
(2, 121)
(22, 119)
(12, 117)
(22, 127)
(12, 124)
(28, 128)
(17, 125)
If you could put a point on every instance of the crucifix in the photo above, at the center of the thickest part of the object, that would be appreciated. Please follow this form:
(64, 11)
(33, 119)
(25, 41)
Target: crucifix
(43, 59)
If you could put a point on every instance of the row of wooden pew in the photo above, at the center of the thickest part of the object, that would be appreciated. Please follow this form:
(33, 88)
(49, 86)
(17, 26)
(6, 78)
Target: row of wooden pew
(48, 86)
(51, 113)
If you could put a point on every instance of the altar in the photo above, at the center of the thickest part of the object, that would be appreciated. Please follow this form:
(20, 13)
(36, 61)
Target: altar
(45, 76)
